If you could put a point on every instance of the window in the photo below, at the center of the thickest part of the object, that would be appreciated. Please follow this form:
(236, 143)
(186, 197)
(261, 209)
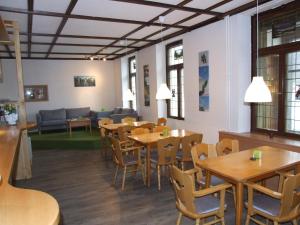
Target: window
(279, 64)
(132, 79)
(175, 80)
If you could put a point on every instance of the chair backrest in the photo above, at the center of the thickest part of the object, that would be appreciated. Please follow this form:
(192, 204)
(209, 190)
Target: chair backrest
(227, 146)
(160, 128)
(149, 126)
(104, 121)
(140, 130)
(184, 187)
(167, 149)
(200, 152)
(124, 132)
(116, 147)
(128, 119)
(290, 201)
(161, 121)
(187, 143)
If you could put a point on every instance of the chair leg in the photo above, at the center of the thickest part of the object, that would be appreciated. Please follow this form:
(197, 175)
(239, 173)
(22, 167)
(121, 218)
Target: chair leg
(143, 174)
(276, 223)
(158, 176)
(234, 195)
(247, 220)
(179, 219)
(116, 174)
(124, 177)
(223, 221)
(198, 221)
(295, 222)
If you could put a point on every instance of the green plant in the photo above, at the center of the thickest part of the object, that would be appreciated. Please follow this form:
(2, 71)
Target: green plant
(10, 108)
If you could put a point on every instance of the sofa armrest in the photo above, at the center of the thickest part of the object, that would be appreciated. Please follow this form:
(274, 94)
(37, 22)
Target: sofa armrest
(93, 115)
(38, 121)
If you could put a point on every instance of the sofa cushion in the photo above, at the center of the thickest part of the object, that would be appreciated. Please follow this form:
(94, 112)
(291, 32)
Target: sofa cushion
(104, 114)
(53, 122)
(117, 110)
(56, 114)
(78, 112)
(127, 111)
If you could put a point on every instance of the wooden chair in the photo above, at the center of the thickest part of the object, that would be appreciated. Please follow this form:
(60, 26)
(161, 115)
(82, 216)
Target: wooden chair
(160, 128)
(161, 121)
(227, 146)
(140, 130)
(123, 133)
(128, 119)
(165, 154)
(127, 159)
(103, 133)
(187, 142)
(149, 126)
(197, 205)
(272, 205)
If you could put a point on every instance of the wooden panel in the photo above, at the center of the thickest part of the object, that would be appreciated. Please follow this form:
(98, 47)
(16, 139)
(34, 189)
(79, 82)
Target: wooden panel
(252, 140)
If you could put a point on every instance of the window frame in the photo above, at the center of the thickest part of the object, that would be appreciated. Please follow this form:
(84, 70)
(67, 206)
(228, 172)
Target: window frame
(177, 67)
(280, 50)
(130, 75)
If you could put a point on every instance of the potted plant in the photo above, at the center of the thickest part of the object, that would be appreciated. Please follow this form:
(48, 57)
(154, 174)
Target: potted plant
(10, 113)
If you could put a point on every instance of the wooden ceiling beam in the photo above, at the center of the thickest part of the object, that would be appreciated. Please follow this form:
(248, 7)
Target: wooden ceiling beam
(80, 36)
(171, 6)
(141, 27)
(83, 17)
(61, 53)
(50, 58)
(73, 44)
(61, 25)
(29, 25)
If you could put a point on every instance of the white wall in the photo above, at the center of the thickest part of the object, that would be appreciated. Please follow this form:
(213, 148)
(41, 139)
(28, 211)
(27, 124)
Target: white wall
(228, 42)
(58, 75)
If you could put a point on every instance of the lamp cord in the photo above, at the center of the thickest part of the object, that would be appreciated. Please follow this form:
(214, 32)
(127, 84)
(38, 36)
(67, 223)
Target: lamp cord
(257, 37)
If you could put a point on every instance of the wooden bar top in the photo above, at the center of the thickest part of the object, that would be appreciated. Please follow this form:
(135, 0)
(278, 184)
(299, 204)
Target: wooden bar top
(21, 206)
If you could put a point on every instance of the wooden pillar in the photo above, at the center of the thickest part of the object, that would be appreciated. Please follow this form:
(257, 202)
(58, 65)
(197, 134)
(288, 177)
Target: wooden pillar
(24, 163)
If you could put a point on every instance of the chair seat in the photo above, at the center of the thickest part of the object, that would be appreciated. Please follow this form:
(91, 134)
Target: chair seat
(207, 204)
(266, 204)
(214, 180)
(130, 159)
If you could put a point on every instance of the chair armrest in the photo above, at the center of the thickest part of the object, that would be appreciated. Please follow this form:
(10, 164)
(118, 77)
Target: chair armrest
(212, 190)
(264, 190)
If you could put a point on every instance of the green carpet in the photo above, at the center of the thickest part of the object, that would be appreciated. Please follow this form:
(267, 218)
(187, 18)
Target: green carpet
(62, 140)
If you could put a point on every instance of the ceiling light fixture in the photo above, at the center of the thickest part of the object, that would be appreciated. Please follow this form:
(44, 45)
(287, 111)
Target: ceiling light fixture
(257, 91)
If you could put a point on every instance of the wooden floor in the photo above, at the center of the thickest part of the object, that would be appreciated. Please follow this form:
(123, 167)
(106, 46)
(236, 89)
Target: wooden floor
(81, 182)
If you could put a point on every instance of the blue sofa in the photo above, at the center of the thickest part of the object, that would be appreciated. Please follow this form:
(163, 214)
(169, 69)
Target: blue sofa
(57, 119)
(118, 114)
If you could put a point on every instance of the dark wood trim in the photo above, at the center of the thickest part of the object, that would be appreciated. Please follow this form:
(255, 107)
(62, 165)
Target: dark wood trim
(83, 17)
(171, 6)
(61, 53)
(29, 25)
(245, 7)
(61, 25)
(281, 51)
(142, 26)
(73, 44)
(177, 67)
(80, 36)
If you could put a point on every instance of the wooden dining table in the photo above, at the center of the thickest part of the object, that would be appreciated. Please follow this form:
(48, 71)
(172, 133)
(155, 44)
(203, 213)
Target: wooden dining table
(237, 168)
(110, 128)
(150, 141)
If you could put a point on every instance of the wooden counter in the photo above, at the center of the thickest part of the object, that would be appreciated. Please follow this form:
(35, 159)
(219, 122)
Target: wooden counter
(252, 140)
(21, 206)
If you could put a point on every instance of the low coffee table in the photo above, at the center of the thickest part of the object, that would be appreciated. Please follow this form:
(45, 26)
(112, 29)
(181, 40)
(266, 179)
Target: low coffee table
(80, 122)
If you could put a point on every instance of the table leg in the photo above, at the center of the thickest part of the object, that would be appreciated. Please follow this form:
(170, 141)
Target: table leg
(90, 129)
(207, 179)
(70, 130)
(148, 172)
(239, 203)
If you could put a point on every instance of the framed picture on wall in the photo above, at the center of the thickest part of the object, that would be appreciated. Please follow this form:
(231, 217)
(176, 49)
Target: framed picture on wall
(36, 93)
(84, 81)
(146, 85)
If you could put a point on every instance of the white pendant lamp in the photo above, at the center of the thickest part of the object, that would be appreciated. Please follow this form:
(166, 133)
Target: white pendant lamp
(258, 90)
(163, 92)
(128, 95)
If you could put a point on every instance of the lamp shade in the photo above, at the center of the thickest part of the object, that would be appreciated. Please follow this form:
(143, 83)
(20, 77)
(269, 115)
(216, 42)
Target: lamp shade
(258, 91)
(163, 92)
(128, 95)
